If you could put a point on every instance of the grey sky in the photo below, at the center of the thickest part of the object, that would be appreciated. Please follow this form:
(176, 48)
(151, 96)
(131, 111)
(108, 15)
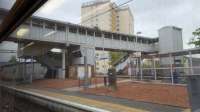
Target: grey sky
(149, 15)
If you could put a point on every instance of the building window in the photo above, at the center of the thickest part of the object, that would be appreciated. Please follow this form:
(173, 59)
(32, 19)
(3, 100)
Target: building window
(61, 28)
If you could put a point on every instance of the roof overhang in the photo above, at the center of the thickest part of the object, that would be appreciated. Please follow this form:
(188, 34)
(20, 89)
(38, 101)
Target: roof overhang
(175, 53)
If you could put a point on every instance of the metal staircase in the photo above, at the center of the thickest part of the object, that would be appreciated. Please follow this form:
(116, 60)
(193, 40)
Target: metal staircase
(121, 64)
(52, 61)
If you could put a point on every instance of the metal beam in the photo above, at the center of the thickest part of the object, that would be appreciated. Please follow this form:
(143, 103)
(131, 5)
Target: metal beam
(20, 11)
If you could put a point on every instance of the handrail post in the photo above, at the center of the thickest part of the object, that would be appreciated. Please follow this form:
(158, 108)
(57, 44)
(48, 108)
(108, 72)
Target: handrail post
(171, 68)
(154, 66)
(141, 71)
(191, 64)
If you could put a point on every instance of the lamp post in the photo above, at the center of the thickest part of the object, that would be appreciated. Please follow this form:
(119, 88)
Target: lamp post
(137, 62)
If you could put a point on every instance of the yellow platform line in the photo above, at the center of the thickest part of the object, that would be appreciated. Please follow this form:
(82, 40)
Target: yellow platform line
(89, 102)
(187, 110)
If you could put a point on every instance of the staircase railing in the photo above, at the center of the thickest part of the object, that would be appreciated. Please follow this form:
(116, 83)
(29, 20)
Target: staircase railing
(121, 62)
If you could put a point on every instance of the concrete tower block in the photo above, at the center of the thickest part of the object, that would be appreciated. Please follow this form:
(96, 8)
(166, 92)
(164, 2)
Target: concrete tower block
(170, 40)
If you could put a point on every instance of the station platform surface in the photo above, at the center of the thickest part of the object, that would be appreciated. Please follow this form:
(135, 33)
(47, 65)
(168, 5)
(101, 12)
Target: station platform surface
(103, 100)
(108, 104)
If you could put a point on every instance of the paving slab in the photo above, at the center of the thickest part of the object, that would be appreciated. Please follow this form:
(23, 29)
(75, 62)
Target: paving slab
(105, 102)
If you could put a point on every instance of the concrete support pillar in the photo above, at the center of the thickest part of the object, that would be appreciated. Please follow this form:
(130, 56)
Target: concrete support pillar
(86, 72)
(63, 64)
(154, 66)
(86, 80)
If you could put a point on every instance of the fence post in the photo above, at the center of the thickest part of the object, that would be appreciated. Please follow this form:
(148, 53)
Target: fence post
(171, 68)
(141, 71)
(191, 64)
(154, 66)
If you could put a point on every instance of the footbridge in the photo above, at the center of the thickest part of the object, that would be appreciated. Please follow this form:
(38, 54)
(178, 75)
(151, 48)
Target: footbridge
(37, 36)
(45, 30)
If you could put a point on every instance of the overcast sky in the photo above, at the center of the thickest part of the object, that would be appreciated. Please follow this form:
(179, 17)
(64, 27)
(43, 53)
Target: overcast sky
(149, 15)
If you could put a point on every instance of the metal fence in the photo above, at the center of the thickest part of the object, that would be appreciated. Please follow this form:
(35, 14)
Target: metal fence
(168, 74)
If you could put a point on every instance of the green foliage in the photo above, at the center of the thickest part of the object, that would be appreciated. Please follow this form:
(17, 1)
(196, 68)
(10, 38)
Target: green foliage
(149, 64)
(184, 60)
(13, 60)
(115, 56)
(196, 39)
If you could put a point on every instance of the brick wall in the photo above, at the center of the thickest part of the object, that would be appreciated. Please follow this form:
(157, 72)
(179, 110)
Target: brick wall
(173, 95)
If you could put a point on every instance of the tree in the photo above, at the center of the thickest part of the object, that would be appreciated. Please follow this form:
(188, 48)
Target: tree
(196, 39)
(115, 56)
(13, 60)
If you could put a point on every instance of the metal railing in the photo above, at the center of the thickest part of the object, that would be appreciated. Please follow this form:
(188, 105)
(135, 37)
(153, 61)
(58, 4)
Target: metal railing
(174, 75)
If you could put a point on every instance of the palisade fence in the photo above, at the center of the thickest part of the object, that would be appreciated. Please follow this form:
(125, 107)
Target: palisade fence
(173, 75)
(172, 69)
